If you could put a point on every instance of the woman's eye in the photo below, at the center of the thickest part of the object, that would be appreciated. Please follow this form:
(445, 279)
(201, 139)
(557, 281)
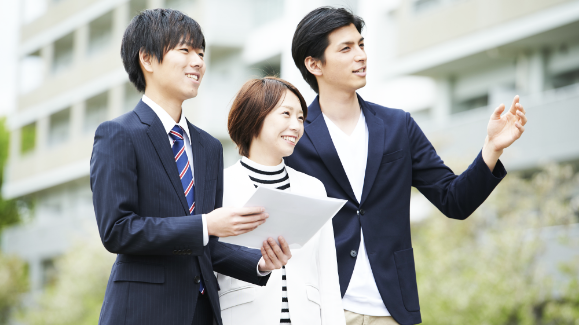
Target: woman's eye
(345, 48)
(286, 113)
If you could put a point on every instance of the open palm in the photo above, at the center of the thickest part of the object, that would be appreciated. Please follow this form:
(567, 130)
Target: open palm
(503, 130)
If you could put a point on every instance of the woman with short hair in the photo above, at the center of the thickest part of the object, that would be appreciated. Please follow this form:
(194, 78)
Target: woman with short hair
(266, 121)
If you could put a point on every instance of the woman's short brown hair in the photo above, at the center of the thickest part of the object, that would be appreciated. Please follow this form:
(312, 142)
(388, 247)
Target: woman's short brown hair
(256, 99)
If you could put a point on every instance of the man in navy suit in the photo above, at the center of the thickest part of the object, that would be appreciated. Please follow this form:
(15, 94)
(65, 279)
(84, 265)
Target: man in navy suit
(157, 184)
(371, 155)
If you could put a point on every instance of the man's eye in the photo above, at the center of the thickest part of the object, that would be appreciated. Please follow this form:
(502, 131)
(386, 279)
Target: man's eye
(362, 45)
(345, 48)
(186, 50)
(202, 55)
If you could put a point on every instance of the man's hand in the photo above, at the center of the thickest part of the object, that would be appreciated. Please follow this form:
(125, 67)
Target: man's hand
(502, 131)
(225, 222)
(272, 256)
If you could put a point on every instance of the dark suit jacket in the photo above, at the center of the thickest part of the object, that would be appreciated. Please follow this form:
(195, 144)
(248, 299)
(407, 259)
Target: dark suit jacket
(142, 216)
(399, 156)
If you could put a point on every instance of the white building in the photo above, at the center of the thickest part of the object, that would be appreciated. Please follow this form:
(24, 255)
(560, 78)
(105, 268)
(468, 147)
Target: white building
(449, 62)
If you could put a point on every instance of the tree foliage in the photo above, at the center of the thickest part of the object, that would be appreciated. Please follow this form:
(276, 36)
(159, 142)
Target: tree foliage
(489, 269)
(8, 208)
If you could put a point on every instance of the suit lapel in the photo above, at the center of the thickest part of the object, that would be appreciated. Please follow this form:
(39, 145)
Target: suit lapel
(317, 131)
(199, 159)
(159, 138)
(375, 147)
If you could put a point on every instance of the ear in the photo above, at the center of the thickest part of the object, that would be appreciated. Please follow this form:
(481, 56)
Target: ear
(146, 61)
(314, 66)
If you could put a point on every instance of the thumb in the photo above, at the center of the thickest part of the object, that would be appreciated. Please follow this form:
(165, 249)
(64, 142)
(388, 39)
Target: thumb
(498, 111)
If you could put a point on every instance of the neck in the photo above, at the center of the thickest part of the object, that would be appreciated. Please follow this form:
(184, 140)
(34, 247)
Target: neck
(263, 157)
(338, 105)
(168, 103)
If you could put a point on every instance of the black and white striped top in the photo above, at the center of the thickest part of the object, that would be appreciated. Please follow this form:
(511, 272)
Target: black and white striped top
(272, 177)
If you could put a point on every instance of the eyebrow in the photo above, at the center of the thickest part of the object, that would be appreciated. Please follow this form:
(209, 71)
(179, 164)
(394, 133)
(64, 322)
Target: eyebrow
(350, 42)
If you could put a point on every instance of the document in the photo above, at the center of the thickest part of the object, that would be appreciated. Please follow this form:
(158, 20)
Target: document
(295, 217)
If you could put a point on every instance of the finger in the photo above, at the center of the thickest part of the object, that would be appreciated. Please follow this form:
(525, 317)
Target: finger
(498, 111)
(272, 256)
(278, 252)
(284, 246)
(246, 211)
(522, 109)
(522, 117)
(520, 127)
(251, 218)
(513, 109)
(246, 227)
(266, 259)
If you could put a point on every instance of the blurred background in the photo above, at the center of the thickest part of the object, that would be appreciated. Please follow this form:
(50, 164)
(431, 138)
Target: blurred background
(447, 62)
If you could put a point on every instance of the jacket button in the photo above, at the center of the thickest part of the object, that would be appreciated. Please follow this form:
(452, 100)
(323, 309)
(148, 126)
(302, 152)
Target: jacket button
(362, 211)
(189, 252)
(197, 279)
(175, 251)
(353, 253)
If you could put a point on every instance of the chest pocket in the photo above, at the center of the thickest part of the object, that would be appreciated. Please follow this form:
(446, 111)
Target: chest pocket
(393, 156)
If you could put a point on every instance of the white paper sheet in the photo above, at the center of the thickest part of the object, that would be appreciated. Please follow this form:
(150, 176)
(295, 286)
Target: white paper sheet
(295, 217)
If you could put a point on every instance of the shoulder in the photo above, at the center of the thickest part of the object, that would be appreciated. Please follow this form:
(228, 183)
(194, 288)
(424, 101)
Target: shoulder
(314, 185)
(206, 138)
(383, 111)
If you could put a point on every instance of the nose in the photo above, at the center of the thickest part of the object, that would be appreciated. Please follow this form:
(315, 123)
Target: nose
(196, 61)
(360, 55)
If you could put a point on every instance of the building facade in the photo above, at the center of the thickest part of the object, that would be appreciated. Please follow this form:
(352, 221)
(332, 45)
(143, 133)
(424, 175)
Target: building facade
(448, 62)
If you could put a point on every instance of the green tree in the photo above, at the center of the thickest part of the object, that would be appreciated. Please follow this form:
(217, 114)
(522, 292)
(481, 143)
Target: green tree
(76, 296)
(13, 283)
(8, 209)
(488, 269)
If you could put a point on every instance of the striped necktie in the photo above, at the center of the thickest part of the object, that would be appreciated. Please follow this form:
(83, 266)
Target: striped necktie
(185, 174)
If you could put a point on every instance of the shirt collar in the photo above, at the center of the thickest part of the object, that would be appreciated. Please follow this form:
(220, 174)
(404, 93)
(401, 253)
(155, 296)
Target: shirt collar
(166, 119)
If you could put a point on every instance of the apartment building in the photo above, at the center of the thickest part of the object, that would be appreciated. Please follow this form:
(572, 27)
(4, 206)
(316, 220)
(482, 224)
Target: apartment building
(448, 62)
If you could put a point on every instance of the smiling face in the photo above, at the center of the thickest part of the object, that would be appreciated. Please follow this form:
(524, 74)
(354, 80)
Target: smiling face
(180, 73)
(281, 130)
(345, 61)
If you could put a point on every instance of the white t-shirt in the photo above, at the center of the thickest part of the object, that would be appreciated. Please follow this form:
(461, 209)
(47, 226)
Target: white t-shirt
(362, 295)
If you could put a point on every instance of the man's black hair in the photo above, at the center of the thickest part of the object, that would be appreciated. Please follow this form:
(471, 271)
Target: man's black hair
(311, 36)
(156, 31)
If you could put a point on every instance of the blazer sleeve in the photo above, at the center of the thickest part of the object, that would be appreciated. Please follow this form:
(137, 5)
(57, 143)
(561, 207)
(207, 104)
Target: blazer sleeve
(113, 179)
(457, 196)
(232, 260)
(331, 298)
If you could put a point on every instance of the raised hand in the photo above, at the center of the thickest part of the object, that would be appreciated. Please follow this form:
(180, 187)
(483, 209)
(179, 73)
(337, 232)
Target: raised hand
(225, 222)
(273, 256)
(502, 131)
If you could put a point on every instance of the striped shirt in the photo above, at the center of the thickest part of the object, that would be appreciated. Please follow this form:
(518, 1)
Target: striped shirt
(272, 177)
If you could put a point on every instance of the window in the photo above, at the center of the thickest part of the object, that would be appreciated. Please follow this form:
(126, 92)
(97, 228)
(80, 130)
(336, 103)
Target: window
(269, 67)
(425, 5)
(565, 79)
(132, 97)
(31, 72)
(100, 32)
(63, 53)
(48, 272)
(59, 127)
(28, 138)
(95, 112)
(471, 103)
(135, 7)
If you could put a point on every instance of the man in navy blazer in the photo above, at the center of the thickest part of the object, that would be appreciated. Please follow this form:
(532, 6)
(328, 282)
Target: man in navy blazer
(371, 155)
(157, 184)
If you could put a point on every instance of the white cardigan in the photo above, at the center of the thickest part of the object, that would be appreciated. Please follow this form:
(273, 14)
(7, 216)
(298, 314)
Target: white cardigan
(312, 273)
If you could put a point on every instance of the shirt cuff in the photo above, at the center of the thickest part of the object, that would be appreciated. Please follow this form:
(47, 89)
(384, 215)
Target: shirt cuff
(261, 273)
(205, 233)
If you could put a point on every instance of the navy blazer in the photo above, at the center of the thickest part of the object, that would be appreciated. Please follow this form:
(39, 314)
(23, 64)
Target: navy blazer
(142, 215)
(399, 156)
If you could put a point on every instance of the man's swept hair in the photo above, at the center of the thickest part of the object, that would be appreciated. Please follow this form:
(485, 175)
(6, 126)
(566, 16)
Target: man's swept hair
(311, 36)
(155, 32)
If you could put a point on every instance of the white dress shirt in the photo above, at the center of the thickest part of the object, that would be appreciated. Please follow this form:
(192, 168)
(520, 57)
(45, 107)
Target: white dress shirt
(362, 295)
(168, 124)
